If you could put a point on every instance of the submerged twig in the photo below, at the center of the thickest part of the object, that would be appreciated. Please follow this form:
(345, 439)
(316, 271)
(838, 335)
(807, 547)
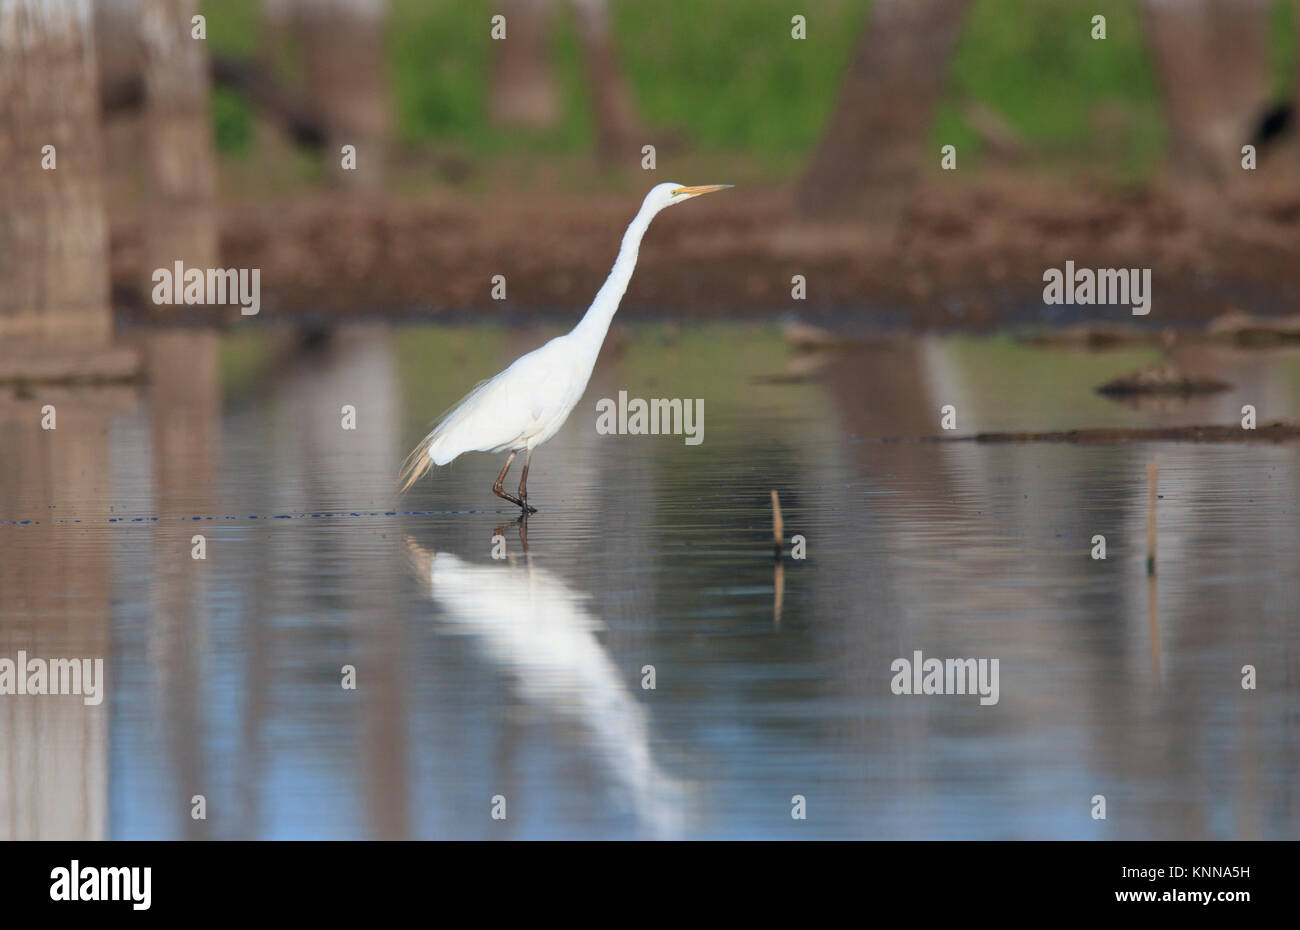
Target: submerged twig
(778, 524)
(1153, 481)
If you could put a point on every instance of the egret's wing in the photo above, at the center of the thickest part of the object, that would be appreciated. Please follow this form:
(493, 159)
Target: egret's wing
(498, 416)
(419, 462)
(475, 390)
(499, 413)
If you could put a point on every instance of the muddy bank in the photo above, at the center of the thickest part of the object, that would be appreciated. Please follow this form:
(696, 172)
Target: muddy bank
(967, 256)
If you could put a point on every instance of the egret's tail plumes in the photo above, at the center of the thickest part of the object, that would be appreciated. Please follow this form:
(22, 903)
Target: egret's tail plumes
(418, 463)
(431, 451)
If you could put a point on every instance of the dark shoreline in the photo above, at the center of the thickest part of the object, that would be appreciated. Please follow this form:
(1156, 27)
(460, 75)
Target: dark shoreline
(969, 257)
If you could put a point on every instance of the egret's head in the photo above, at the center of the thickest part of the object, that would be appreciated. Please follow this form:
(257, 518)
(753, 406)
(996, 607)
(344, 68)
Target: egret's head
(665, 195)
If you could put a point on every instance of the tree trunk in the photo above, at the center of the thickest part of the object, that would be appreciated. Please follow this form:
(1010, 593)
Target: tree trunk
(868, 160)
(523, 92)
(53, 239)
(1211, 61)
(181, 215)
(117, 53)
(343, 54)
(618, 131)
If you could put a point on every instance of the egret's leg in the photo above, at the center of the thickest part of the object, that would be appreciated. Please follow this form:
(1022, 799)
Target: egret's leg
(498, 490)
(521, 523)
(523, 484)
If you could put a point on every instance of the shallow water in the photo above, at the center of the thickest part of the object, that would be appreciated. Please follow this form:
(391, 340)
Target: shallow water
(522, 677)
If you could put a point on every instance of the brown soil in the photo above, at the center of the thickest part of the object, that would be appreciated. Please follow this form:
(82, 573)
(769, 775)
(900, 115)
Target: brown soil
(965, 255)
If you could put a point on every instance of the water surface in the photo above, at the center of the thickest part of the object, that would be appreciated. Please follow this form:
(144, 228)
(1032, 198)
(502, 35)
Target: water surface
(522, 676)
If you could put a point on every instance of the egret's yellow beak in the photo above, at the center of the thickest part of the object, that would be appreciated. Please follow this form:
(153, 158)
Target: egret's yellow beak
(702, 189)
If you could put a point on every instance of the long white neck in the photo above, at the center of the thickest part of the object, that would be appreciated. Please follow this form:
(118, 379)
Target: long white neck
(591, 329)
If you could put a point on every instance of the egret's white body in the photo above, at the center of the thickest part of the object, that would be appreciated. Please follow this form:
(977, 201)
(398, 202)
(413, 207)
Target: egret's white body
(518, 409)
(525, 405)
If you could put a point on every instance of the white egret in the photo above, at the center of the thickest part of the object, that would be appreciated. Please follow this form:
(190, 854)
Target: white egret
(525, 405)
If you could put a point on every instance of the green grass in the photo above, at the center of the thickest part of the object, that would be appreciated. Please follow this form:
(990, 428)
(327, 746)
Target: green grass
(729, 75)
(1283, 54)
(232, 122)
(726, 77)
(1037, 65)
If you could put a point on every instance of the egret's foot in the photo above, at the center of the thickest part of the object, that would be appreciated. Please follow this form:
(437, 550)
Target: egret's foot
(507, 496)
(523, 486)
(523, 501)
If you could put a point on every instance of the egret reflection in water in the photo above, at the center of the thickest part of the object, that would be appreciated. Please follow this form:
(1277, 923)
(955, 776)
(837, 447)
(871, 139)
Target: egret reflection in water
(540, 631)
